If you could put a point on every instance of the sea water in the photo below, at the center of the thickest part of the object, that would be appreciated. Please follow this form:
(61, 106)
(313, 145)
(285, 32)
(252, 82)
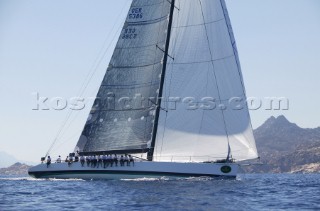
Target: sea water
(247, 192)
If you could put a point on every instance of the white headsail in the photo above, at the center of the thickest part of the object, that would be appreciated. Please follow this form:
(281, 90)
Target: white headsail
(205, 67)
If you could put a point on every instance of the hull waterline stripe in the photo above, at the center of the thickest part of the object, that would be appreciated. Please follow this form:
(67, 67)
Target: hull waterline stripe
(39, 174)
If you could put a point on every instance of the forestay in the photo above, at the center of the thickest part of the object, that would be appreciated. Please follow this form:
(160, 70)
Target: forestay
(205, 65)
(118, 119)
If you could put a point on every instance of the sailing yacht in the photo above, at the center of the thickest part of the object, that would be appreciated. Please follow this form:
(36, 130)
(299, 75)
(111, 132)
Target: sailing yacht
(172, 96)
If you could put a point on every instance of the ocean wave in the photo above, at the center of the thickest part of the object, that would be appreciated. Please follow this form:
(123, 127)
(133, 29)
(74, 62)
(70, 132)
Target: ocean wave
(35, 179)
(143, 179)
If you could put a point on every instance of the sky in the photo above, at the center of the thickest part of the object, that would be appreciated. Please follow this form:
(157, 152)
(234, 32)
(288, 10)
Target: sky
(53, 48)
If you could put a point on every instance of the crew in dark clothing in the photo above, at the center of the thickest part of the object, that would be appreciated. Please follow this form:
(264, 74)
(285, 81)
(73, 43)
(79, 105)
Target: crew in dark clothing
(111, 160)
(99, 161)
(70, 161)
(131, 160)
(82, 160)
(48, 161)
(95, 161)
(67, 159)
(126, 159)
(92, 161)
(115, 159)
(88, 161)
(121, 161)
(104, 160)
(108, 160)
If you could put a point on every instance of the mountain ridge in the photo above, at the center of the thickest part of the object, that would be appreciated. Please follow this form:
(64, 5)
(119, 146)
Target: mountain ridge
(285, 147)
(15, 169)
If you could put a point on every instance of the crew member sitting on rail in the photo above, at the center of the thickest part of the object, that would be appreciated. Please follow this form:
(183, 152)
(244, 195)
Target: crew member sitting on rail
(82, 160)
(115, 159)
(91, 160)
(104, 160)
(48, 161)
(88, 160)
(110, 161)
(126, 159)
(76, 158)
(99, 161)
(121, 161)
(131, 160)
(59, 159)
(70, 160)
(94, 161)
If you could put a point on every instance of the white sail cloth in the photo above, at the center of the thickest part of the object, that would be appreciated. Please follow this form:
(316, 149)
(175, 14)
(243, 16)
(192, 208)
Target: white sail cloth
(205, 65)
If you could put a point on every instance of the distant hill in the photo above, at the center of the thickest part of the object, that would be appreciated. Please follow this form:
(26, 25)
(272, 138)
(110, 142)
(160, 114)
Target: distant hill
(7, 160)
(15, 169)
(285, 147)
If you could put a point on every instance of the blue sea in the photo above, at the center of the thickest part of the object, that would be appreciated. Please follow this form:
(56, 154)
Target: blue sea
(247, 192)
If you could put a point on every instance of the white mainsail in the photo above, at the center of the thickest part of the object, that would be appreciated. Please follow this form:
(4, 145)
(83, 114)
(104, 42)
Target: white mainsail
(205, 65)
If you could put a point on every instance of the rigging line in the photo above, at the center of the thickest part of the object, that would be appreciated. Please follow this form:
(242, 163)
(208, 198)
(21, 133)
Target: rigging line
(74, 118)
(158, 37)
(233, 42)
(142, 46)
(157, 45)
(90, 78)
(200, 24)
(205, 61)
(65, 141)
(84, 87)
(56, 138)
(156, 105)
(207, 81)
(214, 73)
(102, 57)
(95, 65)
(97, 60)
(235, 51)
(163, 72)
(174, 5)
(164, 52)
(170, 81)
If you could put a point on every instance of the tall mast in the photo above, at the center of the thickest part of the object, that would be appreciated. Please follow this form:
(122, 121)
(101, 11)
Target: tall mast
(158, 104)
